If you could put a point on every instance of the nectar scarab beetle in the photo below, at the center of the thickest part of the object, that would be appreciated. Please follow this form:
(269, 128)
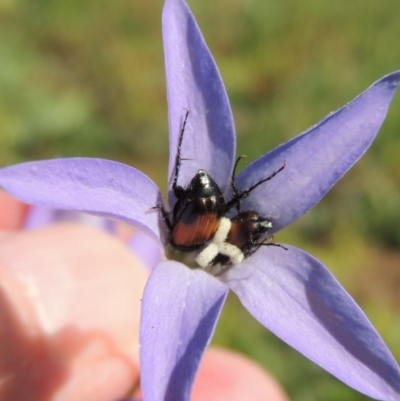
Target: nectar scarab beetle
(247, 228)
(196, 214)
(240, 236)
(199, 207)
(236, 239)
(199, 221)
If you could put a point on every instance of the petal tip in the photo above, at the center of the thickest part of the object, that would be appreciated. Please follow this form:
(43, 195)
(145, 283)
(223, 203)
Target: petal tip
(393, 79)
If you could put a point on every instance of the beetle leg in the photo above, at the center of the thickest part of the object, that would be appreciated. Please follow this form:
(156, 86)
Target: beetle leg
(240, 195)
(178, 160)
(164, 215)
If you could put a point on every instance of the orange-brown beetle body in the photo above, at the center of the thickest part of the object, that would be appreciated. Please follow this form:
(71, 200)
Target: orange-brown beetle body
(197, 213)
(247, 228)
(246, 233)
(199, 210)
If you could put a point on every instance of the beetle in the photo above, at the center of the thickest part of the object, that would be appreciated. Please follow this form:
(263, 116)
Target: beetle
(199, 207)
(238, 237)
(198, 219)
(197, 212)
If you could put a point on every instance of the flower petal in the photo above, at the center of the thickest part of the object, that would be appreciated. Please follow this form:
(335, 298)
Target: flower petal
(98, 186)
(297, 298)
(194, 84)
(180, 309)
(40, 216)
(145, 249)
(318, 158)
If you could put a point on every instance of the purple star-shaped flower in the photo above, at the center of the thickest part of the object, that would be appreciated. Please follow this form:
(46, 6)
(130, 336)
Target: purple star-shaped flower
(289, 292)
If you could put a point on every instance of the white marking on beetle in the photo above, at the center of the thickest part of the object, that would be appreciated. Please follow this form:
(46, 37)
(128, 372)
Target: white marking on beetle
(206, 256)
(218, 245)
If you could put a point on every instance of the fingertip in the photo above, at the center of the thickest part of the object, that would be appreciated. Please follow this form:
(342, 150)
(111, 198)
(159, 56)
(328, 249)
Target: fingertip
(12, 212)
(78, 290)
(229, 376)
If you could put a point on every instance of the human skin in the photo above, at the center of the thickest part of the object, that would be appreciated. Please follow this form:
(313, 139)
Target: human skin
(228, 376)
(69, 319)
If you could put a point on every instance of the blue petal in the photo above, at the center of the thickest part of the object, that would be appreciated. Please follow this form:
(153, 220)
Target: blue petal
(40, 216)
(179, 312)
(145, 249)
(297, 298)
(194, 83)
(97, 186)
(318, 158)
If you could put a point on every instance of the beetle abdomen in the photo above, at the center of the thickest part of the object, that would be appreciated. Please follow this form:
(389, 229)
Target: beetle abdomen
(197, 224)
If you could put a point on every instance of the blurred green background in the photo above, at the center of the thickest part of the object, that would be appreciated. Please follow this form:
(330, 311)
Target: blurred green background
(86, 78)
